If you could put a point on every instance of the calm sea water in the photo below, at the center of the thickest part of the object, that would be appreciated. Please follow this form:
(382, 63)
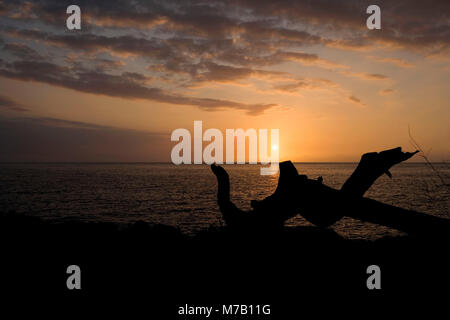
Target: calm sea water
(185, 196)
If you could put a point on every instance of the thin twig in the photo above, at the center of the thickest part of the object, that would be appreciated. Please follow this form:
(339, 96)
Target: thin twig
(424, 156)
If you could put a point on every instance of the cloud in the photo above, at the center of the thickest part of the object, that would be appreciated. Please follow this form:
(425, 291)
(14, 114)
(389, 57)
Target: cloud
(60, 123)
(196, 18)
(307, 59)
(386, 91)
(395, 61)
(22, 51)
(126, 85)
(212, 72)
(291, 87)
(408, 24)
(50, 139)
(188, 44)
(305, 84)
(169, 58)
(364, 75)
(10, 104)
(177, 53)
(106, 64)
(355, 100)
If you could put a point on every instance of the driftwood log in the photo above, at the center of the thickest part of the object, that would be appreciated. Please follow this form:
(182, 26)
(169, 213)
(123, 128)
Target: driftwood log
(323, 205)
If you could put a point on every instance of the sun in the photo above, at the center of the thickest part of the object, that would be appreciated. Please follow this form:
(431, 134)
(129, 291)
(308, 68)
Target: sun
(275, 147)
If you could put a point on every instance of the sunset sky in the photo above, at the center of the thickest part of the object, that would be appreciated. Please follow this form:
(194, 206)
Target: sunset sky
(137, 70)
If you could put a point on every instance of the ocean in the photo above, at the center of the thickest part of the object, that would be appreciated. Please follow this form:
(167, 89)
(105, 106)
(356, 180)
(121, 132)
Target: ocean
(185, 196)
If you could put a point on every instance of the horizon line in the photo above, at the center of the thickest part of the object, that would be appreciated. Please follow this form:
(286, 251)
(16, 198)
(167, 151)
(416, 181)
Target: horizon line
(168, 162)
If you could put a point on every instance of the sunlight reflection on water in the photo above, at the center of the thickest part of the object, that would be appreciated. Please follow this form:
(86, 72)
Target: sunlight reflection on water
(185, 196)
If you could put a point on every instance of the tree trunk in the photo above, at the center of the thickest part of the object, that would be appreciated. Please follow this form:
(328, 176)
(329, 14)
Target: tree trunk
(322, 205)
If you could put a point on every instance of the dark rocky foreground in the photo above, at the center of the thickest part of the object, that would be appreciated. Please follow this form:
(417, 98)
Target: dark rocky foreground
(289, 269)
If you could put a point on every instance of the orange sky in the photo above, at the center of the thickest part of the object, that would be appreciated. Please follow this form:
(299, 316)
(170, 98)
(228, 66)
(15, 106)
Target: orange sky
(115, 90)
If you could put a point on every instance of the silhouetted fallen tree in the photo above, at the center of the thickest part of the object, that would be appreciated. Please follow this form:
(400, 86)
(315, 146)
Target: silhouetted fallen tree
(323, 205)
